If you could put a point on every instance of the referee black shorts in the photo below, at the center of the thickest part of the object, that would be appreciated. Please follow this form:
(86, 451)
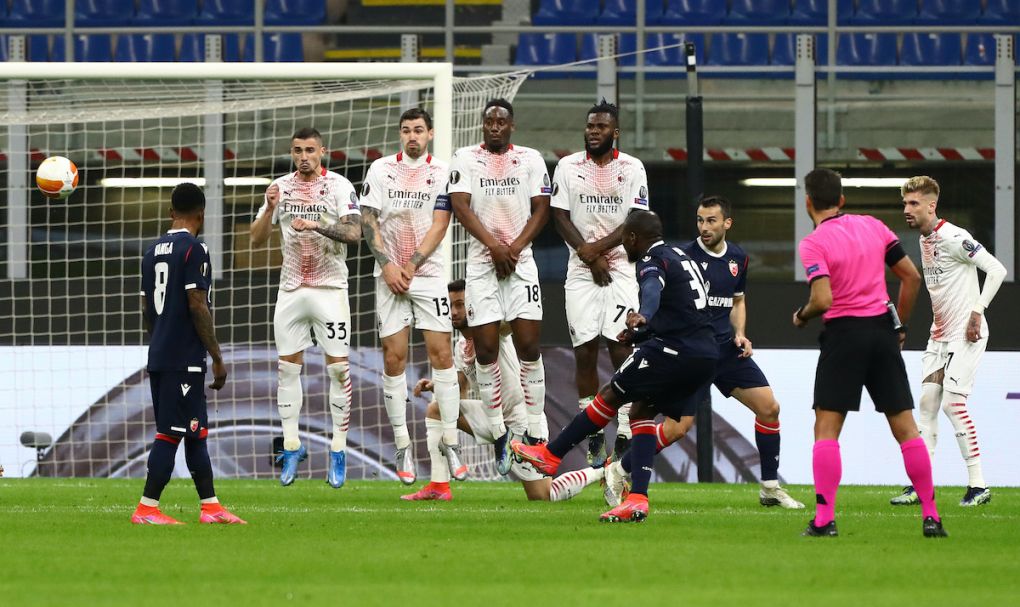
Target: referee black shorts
(860, 353)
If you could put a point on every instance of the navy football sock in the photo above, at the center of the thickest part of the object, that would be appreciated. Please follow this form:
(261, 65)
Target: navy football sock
(196, 453)
(576, 431)
(642, 451)
(766, 437)
(160, 465)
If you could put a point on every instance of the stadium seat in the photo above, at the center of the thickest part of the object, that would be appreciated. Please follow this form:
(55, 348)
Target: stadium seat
(87, 47)
(276, 48)
(981, 51)
(886, 12)
(931, 49)
(193, 47)
(816, 12)
(226, 12)
(665, 57)
(566, 12)
(759, 12)
(546, 49)
(103, 13)
(941, 12)
(866, 50)
(166, 12)
(693, 12)
(36, 13)
(997, 12)
(735, 49)
(144, 47)
(37, 48)
(784, 52)
(624, 12)
(295, 12)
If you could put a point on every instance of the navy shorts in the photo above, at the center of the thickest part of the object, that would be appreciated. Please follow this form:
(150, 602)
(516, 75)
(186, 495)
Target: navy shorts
(178, 399)
(732, 372)
(663, 378)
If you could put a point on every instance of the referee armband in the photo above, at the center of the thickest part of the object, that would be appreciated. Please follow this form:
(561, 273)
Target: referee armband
(894, 254)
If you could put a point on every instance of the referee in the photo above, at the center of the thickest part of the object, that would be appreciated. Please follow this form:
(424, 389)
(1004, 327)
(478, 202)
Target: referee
(844, 259)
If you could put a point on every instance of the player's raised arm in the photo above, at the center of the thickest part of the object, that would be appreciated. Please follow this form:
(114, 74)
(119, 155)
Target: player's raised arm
(262, 227)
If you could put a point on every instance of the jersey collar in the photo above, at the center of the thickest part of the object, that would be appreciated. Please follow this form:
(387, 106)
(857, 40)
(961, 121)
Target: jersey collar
(414, 161)
(726, 247)
(509, 147)
(655, 244)
(322, 172)
(177, 231)
(942, 222)
(616, 154)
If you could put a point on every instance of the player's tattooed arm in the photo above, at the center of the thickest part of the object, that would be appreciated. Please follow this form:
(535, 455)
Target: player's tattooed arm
(370, 226)
(430, 242)
(202, 320)
(347, 230)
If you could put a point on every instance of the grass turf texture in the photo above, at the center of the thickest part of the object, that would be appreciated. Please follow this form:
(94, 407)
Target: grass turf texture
(69, 541)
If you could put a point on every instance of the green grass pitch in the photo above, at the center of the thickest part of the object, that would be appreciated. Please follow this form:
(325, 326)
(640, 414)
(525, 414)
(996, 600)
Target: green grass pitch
(68, 541)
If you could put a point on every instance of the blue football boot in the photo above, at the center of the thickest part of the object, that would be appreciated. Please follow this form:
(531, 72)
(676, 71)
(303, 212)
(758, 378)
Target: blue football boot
(337, 474)
(290, 461)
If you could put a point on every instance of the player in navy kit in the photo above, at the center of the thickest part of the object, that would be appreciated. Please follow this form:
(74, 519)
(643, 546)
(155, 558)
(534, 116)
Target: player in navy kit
(675, 356)
(724, 267)
(175, 309)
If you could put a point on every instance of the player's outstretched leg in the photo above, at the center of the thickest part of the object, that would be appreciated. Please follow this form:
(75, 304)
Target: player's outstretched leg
(439, 487)
(596, 442)
(546, 457)
(289, 398)
(160, 467)
(570, 484)
(196, 453)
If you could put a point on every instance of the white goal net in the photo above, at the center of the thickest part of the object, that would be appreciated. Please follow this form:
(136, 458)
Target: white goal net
(74, 397)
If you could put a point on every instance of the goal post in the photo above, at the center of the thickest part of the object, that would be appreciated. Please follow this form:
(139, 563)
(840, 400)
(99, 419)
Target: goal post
(71, 266)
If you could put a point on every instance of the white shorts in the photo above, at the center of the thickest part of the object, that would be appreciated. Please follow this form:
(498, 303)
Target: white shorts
(959, 359)
(593, 310)
(322, 310)
(425, 306)
(490, 300)
(516, 420)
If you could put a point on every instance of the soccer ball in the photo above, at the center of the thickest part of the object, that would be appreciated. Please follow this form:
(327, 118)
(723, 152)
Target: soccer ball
(57, 177)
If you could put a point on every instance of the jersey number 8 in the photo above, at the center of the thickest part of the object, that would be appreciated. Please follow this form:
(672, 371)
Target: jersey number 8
(162, 270)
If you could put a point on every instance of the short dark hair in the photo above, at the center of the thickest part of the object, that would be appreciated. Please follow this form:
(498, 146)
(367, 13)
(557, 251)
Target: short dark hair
(604, 107)
(414, 114)
(824, 187)
(645, 224)
(307, 132)
(456, 285)
(187, 198)
(500, 102)
(715, 200)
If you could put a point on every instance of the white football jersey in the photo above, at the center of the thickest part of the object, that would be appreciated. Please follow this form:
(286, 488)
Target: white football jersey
(406, 192)
(501, 188)
(599, 199)
(509, 368)
(309, 258)
(950, 258)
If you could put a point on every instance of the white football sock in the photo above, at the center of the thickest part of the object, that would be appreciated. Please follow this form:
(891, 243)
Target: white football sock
(490, 389)
(395, 400)
(569, 484)
(148, 501)
(928, 416)
(339, 403)
(533, 384)
(955, 406)
(447, 391)
(433, 436)
(623, 422)
(289, 399)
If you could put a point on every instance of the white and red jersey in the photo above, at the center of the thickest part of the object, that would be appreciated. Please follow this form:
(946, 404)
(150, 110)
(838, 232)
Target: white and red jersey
(309, 258)
(501, 188)
(407, 191)
(599, 199)
(950, 258)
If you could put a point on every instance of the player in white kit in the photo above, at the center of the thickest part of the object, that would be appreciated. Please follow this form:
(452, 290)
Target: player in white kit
(500, 194)
(475, 421)
(951, 258)
(318, 215)
(593, 192)
(405, 213)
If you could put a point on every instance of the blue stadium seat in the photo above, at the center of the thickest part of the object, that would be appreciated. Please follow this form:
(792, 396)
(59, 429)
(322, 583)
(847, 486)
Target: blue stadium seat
(735, 50)
(816, 12)
(624, 12)
(997, 12)
(693, 12)
(566, 12)
(545, 49)
(785, 52)
(144, 47)
(981, 51)
(295, 12)
(226, 12)
(759, 12)
(103, 13)
(931, 50)
(39, 47)
(153, 13)
(941, 12)
(193, 47)
(886, 12)
(664, 57)
(866, 50)
(87, 47)
(36, 13)
(276, 48)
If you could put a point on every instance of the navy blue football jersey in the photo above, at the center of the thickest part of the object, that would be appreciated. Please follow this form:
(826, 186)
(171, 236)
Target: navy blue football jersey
(680, 322)
(172, 266)
(725, 276)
